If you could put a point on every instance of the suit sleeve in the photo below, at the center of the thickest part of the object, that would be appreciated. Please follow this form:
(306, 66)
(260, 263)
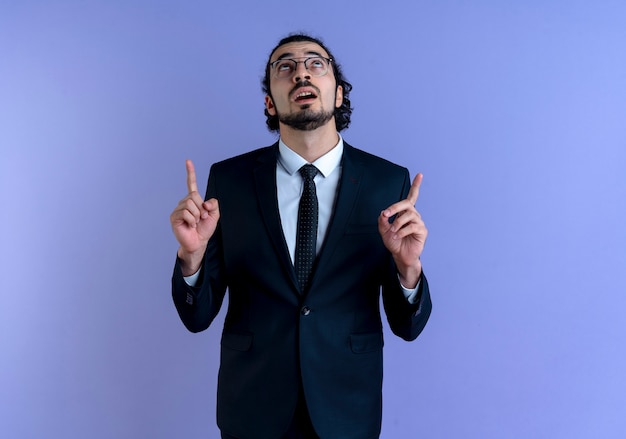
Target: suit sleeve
(197, 306)
(406, 320)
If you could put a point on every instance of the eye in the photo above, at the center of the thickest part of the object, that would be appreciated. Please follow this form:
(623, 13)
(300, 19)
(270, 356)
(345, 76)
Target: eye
(284, 66)
(317, 63)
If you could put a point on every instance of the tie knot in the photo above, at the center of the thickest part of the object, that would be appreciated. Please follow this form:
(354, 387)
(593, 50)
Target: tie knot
(308, 172)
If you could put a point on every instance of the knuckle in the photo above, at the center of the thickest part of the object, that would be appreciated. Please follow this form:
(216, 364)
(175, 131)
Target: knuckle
(189, 203)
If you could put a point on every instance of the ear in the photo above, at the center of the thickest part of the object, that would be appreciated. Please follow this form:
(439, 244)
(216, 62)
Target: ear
(339, 96)
(269, 105)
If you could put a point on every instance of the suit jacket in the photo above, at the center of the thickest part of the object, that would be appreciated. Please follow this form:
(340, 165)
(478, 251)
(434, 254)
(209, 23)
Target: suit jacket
(275, 339)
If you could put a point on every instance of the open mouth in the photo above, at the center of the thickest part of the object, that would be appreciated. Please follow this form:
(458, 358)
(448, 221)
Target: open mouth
(304, 95)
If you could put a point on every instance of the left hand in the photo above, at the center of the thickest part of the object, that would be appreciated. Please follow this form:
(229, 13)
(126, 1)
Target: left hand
(406, 235)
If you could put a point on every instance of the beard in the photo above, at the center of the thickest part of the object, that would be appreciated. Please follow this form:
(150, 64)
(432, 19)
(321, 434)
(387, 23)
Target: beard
(306, 119)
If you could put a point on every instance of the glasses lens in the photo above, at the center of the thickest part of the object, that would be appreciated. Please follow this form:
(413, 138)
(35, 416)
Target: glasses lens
(316, 66)
(284, 68)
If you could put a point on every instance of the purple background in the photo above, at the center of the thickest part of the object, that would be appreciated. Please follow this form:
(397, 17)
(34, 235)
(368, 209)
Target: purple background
(514, 111)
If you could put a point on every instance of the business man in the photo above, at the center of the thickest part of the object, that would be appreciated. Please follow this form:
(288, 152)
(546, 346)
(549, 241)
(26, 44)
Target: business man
(305, 253)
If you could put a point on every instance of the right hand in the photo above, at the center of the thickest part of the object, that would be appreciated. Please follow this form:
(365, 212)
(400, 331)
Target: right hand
(193, 221)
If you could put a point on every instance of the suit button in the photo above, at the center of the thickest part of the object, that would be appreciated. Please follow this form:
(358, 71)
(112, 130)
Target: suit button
(305, 311)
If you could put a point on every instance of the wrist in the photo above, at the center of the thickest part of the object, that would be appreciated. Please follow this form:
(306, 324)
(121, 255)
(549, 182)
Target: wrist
(409, 276)
(189, 262)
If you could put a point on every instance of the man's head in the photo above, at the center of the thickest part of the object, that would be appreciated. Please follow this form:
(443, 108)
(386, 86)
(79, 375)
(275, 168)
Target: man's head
(304, 86)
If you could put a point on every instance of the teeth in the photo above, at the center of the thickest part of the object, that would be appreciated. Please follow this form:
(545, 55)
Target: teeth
(303, 94)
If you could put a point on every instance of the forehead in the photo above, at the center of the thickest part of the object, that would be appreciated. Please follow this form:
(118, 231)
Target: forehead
(298, 49)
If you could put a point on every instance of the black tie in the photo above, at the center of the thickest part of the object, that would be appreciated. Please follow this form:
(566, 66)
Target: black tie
(306, 236)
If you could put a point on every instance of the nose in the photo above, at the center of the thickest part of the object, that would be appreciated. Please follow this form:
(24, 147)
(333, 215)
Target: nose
(301, 73)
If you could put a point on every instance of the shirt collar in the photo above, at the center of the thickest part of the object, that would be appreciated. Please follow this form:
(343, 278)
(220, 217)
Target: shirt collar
(326, 164)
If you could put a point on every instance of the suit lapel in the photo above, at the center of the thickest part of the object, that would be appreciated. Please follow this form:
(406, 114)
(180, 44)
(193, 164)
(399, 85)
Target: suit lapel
(265, 180)
(348, 190)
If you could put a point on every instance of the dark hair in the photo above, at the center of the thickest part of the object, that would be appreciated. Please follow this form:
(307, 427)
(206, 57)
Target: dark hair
(342, 114)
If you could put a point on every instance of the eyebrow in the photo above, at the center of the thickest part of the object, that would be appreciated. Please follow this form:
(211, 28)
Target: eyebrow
(290, 55)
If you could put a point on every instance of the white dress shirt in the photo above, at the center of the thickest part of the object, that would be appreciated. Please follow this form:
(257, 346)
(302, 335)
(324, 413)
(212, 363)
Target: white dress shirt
(289, 186)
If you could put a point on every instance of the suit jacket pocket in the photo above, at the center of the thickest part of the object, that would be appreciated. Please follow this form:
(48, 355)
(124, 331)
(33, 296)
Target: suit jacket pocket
(362, 343)
(237, 342)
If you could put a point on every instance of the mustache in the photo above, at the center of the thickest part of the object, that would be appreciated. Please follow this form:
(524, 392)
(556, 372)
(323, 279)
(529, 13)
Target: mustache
(301, 84)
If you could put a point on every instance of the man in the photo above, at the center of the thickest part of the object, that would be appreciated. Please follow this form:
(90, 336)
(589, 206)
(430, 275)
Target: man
(301, 349)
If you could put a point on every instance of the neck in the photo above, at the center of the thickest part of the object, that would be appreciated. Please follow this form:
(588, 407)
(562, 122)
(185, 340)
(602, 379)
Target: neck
(313, 144)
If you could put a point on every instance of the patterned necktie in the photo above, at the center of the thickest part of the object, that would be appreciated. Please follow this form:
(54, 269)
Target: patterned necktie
(306, 236)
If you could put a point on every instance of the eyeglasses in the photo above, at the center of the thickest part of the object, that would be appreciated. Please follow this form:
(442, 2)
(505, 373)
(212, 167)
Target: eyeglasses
(315, 65)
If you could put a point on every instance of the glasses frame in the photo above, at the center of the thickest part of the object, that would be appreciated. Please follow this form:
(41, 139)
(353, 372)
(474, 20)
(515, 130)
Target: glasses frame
(305, 61)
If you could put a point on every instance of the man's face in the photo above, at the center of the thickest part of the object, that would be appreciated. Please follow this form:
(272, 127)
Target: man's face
(302, 100)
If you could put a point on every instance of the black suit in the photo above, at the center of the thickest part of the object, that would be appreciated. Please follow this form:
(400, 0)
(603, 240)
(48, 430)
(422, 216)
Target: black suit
(272, 334)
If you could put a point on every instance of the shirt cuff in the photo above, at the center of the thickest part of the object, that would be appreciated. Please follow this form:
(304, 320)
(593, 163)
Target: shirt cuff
(193, 279)
(410, 293)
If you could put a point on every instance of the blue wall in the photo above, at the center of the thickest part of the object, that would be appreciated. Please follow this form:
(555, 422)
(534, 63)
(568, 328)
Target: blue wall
(514, 111)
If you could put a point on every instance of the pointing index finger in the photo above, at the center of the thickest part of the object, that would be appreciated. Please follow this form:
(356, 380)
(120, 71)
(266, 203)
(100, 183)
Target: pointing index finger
(192, 186)
(414, 192)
